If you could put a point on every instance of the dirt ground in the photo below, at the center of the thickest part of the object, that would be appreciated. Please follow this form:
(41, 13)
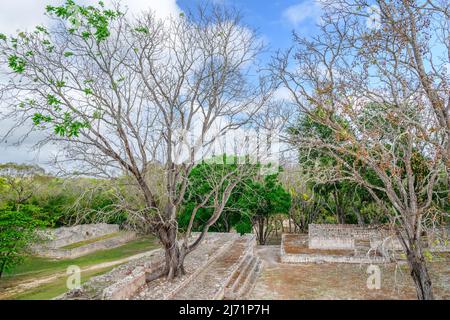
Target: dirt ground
(341, 281)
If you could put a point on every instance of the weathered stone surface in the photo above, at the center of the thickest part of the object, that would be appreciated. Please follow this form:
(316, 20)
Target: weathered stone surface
(59, 253)
(297, 249)
(213, 280)
(55, 240)
(126, 287)
(64, 236)
(104, 286)
(344, 236)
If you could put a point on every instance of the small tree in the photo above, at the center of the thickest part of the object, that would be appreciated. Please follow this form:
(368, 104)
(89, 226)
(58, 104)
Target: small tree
(17, 233)
(266, 200)
(253, 203)
(200, 186)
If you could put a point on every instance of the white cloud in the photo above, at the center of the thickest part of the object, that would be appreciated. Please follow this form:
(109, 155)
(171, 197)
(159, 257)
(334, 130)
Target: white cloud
(162, 8)
(283, 93)
(302, 12)
(25, 14)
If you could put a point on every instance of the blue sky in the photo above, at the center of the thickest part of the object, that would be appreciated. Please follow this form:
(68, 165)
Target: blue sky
(275, 19)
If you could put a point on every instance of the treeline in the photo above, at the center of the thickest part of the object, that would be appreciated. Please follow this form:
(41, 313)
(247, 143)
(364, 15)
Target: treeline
(53, 201)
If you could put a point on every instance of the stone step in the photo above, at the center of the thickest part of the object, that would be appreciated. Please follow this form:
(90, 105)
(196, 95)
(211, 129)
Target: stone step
(244, 281)
(238, 273)
(210, 283)
(252, 280)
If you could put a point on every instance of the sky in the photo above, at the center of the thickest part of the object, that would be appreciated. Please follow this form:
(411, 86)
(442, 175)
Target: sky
(274, 20)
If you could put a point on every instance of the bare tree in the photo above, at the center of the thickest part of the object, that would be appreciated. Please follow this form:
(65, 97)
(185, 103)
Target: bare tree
(139, 97)
(385, 121)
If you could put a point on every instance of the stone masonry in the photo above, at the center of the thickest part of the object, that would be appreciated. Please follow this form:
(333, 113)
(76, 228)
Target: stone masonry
(347, 236)
(55, 240)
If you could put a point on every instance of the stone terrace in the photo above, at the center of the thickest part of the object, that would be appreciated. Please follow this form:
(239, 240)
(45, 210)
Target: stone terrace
(295, 249)
(339, 243)
(90, 237)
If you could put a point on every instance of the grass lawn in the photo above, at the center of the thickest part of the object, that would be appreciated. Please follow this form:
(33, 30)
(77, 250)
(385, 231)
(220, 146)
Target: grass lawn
(37, 267)
(85, 242)
(51, 290)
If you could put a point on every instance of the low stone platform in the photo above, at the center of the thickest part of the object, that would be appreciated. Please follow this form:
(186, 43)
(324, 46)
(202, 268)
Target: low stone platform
(60, 253)
(61, 243)
(295, 249)
(60, 237)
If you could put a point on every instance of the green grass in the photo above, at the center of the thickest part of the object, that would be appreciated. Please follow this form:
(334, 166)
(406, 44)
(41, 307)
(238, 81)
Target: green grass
(35, 267)
(85, 242)
(55, 288)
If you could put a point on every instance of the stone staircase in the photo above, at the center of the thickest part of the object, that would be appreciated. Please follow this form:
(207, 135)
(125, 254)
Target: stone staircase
(243, 279)
(229, 276)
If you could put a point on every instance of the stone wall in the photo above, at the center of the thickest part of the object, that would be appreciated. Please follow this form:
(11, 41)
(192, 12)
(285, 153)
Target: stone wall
(58, 253)
(126, 287)
(295, 249)
(60, 237)
(346, 237)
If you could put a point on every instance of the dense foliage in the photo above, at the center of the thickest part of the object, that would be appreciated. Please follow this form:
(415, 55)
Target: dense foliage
(17, 232)
(253, 202)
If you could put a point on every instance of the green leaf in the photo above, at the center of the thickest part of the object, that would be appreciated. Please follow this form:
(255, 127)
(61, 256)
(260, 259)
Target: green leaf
(85, 35)
(60, 84)
(52, 100)
(60, 130)
(142, 30)
(16, 64)
(38, 118)
(97, 115)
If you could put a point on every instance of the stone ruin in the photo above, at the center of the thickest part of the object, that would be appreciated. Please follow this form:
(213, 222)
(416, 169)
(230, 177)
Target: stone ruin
(349, 237)
(348, 243)
(54, 241)
(340, 243)
(225, 266)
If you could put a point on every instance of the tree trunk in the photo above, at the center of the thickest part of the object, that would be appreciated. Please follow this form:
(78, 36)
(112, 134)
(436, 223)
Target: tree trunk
(2, 268)
(420, 275)
(339, 210)
(261, 231)
(358, 216)
(174, 254)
